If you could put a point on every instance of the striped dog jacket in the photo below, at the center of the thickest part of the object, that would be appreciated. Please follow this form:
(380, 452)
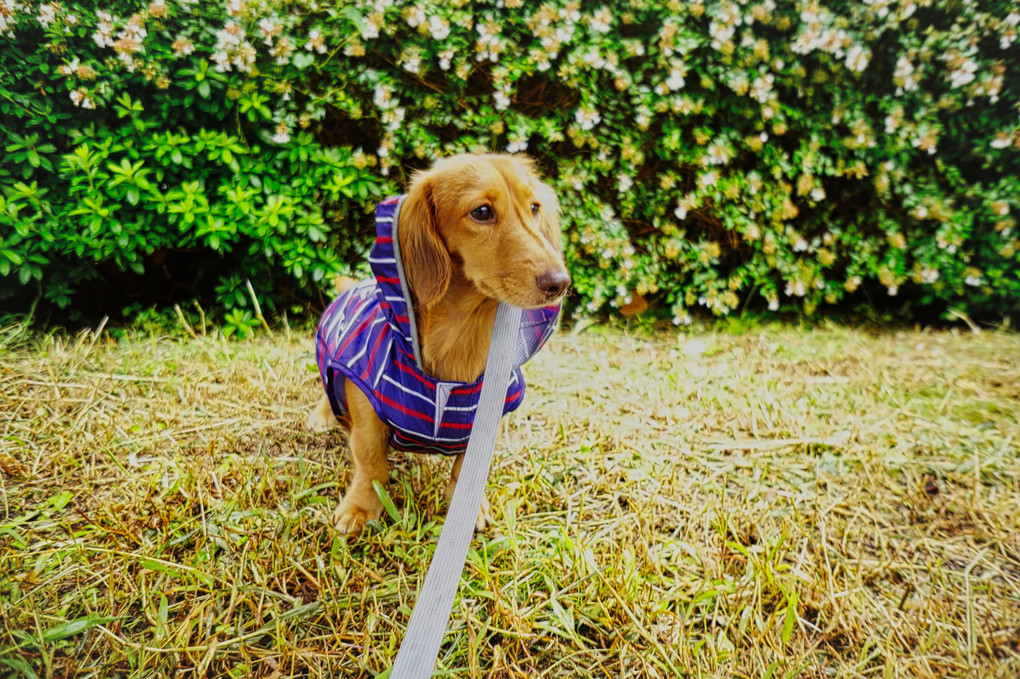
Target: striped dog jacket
(369, 336)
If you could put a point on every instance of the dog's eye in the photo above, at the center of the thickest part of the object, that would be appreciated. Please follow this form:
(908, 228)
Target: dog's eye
(534, 208)
(482, 213)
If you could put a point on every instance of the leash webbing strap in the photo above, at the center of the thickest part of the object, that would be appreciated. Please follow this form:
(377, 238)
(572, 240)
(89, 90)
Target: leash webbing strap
(417, 656)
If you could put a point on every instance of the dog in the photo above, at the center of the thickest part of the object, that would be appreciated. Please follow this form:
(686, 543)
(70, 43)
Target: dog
(401, 355)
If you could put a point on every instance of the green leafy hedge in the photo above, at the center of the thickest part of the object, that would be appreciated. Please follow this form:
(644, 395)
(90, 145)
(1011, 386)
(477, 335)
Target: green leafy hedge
(713, 155)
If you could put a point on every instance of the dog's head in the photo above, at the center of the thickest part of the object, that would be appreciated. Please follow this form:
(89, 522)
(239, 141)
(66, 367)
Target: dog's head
(487, 219)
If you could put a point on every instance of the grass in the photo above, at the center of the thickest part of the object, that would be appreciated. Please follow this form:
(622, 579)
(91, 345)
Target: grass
(778, 503)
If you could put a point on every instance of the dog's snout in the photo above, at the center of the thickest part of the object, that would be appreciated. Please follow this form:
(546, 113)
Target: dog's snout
(553, 282)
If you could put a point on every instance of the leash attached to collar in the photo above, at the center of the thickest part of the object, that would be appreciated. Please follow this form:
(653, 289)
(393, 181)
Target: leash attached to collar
(417, 656)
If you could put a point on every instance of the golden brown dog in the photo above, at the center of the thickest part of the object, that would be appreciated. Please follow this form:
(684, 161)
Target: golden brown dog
(473, 231)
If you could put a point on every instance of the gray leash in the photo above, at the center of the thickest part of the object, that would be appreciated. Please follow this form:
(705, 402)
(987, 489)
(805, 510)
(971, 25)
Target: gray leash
(417, 656)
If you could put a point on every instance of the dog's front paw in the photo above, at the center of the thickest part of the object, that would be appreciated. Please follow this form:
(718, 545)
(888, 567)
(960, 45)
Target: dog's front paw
(321, 418)
(484, 518)
(350, 517)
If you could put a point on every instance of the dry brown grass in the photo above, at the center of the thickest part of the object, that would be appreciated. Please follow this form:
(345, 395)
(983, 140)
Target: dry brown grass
(779, 503)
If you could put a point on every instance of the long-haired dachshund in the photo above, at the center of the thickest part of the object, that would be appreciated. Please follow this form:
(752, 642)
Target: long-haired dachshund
(402, 354)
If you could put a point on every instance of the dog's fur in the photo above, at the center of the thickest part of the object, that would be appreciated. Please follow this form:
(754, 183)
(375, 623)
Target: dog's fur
(458, 268)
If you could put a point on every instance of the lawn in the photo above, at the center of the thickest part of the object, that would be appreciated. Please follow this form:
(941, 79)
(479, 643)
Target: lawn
(776, 503)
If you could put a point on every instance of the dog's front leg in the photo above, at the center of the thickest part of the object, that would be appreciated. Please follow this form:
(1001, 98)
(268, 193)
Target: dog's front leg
(369, 441)
(484, 518)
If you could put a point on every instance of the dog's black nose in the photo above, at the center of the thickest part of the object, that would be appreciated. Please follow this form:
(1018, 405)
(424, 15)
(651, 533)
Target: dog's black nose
(553, 282)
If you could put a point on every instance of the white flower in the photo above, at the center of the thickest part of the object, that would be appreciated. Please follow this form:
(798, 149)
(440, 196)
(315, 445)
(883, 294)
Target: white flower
(963, 75)
(801, 245)
(718, 153)
(282, 50)
(502, 98)
(244, 59)
(439, 28)
(371, 29)
(415, 16)
(517, 146)
(818, 194)
(929, 275)
(282, 135)
(222, 60)
(270, 29)
(444, 59)
(680, 212)
(773, 304)
(796, 288)
(587, 118)
(762, 87)
(393, 117)
(104, 32)
(316, 41)
(412, 64)
(48, 14)
(973, 280)
(593, 58)
(857, 58)
(675, 81)
(383, 96)
(893, 290)
(183, 47)
(904, 74)
(721, 33)
(1001, 141)
(625, 183)
(600, 21)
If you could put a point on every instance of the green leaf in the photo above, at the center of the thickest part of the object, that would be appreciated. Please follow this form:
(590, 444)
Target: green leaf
(791, 616)
(161, 616)
(74, 627)
(387, 501)
(20, 665)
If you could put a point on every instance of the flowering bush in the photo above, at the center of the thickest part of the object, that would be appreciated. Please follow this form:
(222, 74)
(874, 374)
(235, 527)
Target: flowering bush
(709, 154)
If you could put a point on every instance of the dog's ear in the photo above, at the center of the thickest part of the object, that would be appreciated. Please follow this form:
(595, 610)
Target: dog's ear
(426, 259)
(549, 215)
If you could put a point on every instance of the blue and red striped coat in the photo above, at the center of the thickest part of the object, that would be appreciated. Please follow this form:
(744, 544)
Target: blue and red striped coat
(368, 335)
